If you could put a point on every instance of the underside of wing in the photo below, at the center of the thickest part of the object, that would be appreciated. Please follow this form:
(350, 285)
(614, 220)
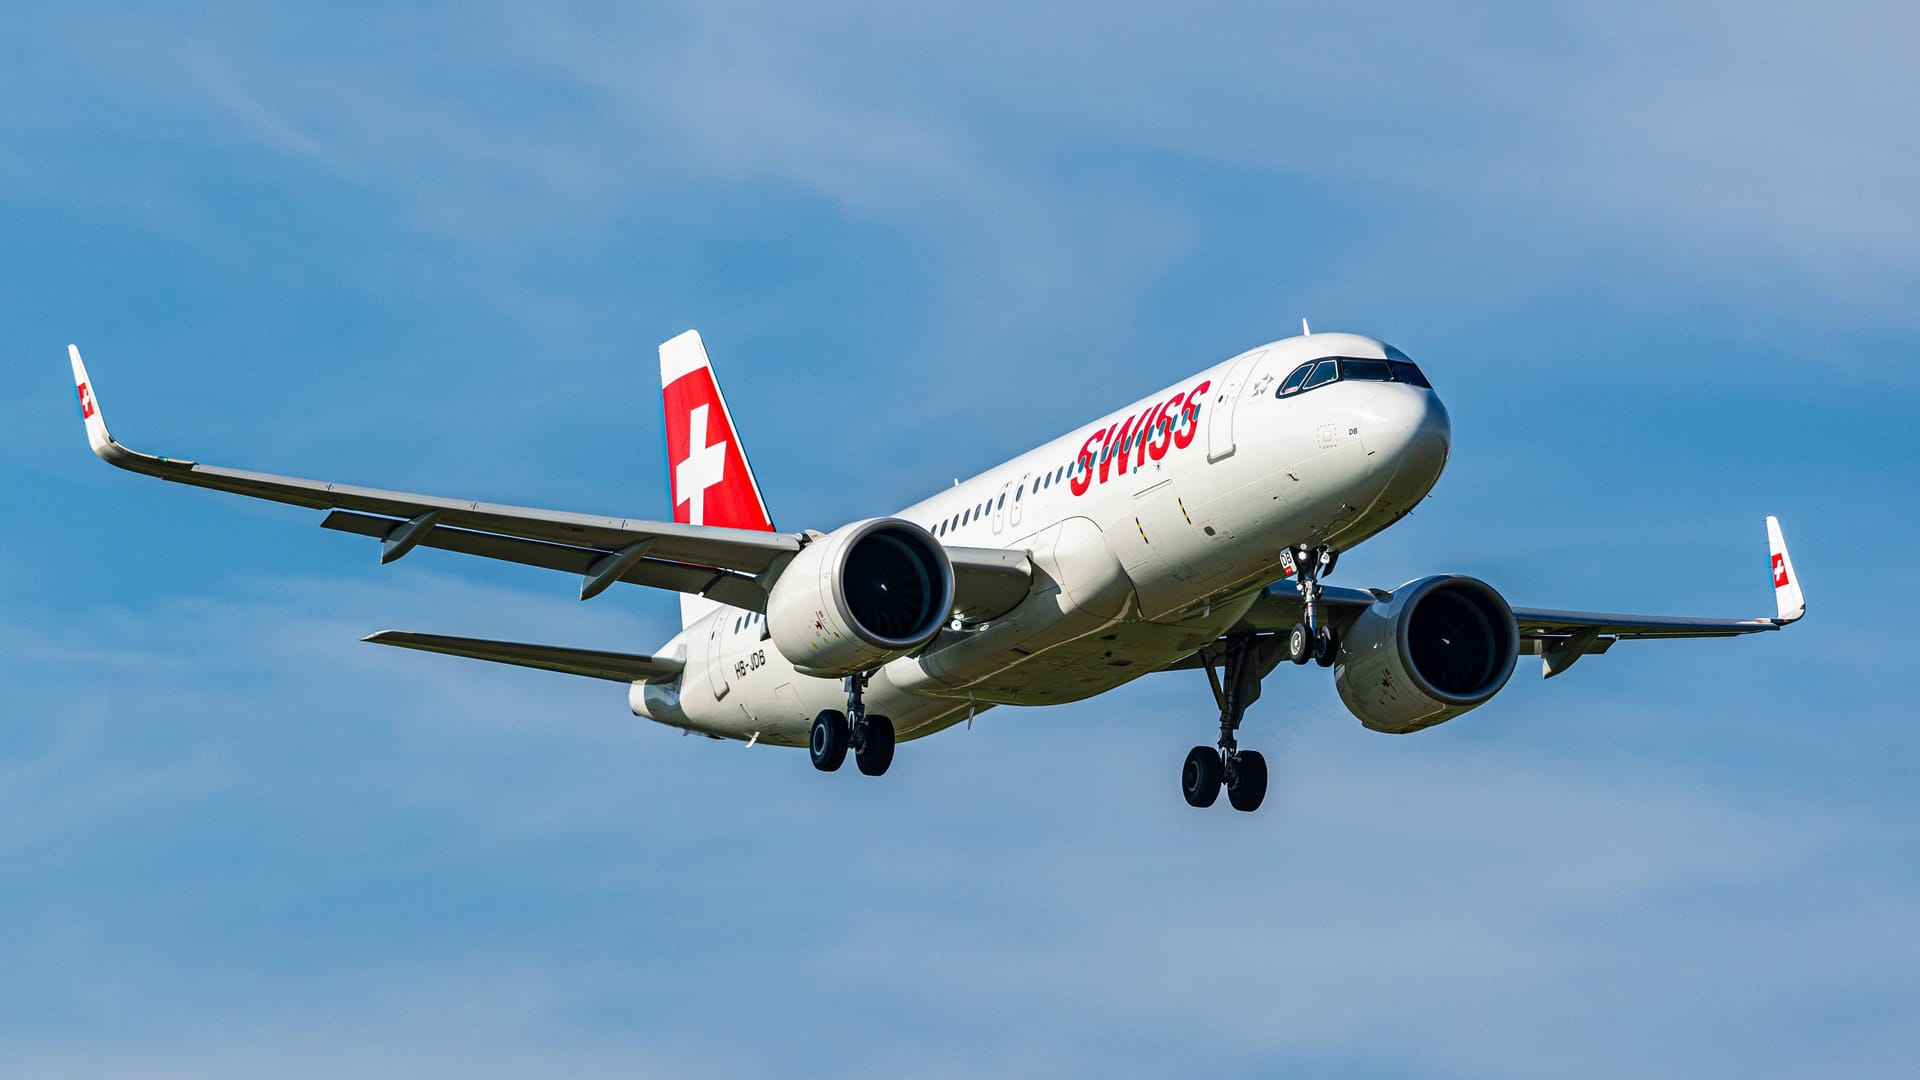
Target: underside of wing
(732, 566)
(1559, 638)
(593, 663)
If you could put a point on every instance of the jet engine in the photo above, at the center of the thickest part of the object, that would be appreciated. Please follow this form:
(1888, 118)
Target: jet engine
(860, 596)
(1432, 650)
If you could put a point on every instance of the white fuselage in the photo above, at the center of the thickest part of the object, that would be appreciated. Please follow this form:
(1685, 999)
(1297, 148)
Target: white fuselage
(1147, 551)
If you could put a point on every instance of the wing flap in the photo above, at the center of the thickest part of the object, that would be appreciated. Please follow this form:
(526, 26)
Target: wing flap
(592, 663)
(736, 590)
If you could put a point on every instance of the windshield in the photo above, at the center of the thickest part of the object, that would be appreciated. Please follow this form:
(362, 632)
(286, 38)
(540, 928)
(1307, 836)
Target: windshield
(1316, 373)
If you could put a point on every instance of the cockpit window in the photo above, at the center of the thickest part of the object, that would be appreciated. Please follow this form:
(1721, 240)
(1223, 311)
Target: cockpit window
(1366, 370)
(1404, 371)
(1397, 368)
(1294, 380)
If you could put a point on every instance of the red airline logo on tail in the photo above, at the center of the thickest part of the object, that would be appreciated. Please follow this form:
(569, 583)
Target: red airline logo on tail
(86, 402)
(711, 484)
(1779, 571)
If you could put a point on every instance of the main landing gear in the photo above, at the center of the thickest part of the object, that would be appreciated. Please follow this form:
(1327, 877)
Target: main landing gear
(1242, 772)
(1246, 659)
(834, 732)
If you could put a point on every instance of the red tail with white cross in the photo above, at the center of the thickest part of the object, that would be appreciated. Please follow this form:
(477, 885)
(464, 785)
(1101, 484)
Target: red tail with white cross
(706, 465)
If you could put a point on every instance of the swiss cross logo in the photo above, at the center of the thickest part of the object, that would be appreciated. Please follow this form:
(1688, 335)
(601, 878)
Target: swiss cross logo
(86, 402)
(704, 466)
(711, 483)
(1779, 570)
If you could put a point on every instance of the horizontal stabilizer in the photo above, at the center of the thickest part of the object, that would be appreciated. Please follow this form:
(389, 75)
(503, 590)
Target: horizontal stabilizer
(617, 667)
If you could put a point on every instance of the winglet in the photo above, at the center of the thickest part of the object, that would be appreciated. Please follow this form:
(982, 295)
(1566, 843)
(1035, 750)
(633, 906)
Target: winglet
(97, 436)
(104, 444)
(1786, 583)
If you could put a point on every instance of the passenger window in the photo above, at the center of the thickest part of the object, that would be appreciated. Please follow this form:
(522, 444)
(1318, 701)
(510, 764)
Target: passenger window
(1294, 380)
(1324, 372)
(1366, 370)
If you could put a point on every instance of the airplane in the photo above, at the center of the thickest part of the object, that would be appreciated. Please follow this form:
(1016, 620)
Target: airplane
(1191, 529)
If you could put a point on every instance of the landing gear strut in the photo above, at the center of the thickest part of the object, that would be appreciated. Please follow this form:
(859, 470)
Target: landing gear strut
(1247, 659)
(869, 737)
(1310, 639)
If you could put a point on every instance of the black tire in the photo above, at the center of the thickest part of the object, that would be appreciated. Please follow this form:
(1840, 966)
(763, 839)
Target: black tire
(1200, 777)
(876, 751)
(1248, 787)
(827, 742)
(1326, 646)
(1299, 644)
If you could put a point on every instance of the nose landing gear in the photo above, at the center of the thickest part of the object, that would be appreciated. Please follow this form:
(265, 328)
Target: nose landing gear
(1310, 639)
(869, 737)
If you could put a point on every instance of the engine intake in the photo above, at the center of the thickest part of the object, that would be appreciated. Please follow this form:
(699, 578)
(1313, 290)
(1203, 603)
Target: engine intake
(1436, 648)
(862, 595)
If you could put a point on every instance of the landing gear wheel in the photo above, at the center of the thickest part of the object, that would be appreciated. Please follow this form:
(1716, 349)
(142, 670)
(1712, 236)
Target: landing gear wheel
(827, 742)
(1247, 786)
(1200, 777)
(1326, 646)
(1299, 644)
(876, 749)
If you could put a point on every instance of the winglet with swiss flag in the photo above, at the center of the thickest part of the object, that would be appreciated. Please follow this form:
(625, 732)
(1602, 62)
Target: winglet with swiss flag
(1786, 584)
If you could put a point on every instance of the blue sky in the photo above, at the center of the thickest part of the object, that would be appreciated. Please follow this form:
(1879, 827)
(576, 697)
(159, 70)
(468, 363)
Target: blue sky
(1660, 264)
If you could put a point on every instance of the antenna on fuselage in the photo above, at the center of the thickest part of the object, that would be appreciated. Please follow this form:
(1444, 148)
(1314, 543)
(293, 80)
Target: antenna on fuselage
(1304, 328)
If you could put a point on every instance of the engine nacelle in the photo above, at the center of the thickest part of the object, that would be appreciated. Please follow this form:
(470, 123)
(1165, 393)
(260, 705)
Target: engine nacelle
(862, 595)
(1437, 648)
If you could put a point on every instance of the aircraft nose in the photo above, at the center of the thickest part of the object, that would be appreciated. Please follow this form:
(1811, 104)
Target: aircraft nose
(1406, 431)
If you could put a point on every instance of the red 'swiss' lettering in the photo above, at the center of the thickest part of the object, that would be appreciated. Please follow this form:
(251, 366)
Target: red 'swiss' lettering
(1138, 439)
(86, 402)
(1124, 437)
(1184, 439)
(1163, 434)
(1083, 465)
(1779, 571)
(1142, 435)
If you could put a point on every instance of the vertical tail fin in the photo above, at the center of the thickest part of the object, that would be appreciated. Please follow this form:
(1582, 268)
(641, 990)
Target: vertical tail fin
(707, 468)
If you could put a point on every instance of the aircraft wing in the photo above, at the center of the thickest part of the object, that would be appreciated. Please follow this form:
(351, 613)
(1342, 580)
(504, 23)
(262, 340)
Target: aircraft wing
(593, 663)
(1559, 638)
(733, 566)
